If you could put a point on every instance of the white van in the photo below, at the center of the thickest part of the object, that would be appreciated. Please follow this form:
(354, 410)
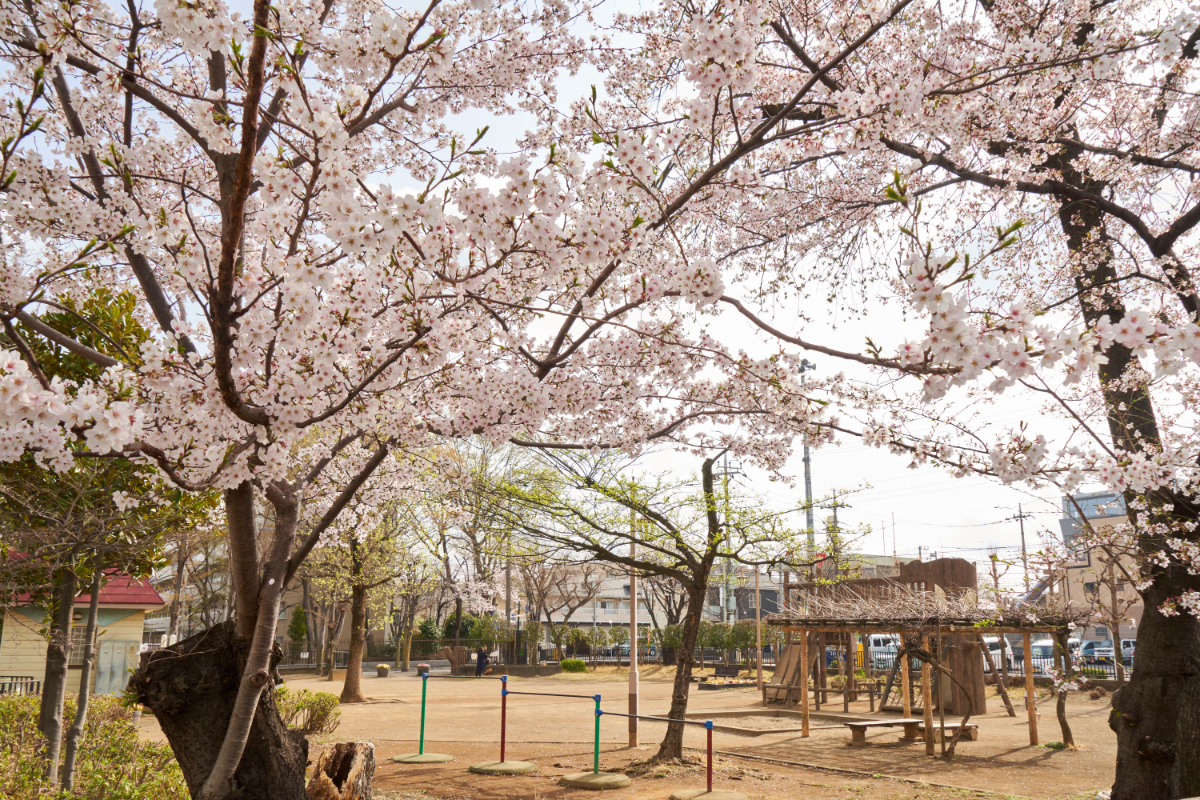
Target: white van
(993, 646)
(881, 650)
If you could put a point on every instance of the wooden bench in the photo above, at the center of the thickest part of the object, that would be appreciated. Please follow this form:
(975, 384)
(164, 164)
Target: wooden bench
(858, 730)
(722, 671)
(970, 732)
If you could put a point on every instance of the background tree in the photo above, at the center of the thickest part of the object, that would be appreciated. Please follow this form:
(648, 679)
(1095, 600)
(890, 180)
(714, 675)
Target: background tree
(582, 505)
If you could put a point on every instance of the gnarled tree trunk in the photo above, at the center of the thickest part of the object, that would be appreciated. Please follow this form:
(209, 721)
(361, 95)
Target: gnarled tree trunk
(192, 688)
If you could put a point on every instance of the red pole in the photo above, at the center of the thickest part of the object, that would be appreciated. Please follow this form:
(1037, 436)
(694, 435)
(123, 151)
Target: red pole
(504, 711)
(708, 725)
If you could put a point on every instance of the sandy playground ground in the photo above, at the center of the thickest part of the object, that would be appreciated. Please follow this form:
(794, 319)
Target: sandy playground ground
(463, 720)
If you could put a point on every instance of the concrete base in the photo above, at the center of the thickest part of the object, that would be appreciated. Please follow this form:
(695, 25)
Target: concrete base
(503, 767)
(595, 780)
(704, 794)
(422, 758)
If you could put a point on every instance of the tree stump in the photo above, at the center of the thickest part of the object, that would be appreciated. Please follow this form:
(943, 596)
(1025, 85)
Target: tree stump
(343, 772)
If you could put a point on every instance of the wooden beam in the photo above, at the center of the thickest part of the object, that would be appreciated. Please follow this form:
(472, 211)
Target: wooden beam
(803, 685)
(906, 684)
(927, 698)
(1029, 691)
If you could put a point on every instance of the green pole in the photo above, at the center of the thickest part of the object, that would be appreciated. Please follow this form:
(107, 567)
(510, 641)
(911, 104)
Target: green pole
(424, 686)
(596, 748)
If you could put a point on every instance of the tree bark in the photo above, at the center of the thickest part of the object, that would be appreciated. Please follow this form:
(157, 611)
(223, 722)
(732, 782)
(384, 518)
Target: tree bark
(352, 689)
(192, 688)
(75, 733)
(343, 772)
(672, 744)
(1156, 715)
(458, 609)
(54, 683)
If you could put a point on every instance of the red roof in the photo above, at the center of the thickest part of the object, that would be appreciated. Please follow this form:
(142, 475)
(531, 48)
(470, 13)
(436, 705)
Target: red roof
(120, 590)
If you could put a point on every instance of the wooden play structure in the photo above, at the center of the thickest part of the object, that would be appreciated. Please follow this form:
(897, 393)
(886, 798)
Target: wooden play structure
(933, 610)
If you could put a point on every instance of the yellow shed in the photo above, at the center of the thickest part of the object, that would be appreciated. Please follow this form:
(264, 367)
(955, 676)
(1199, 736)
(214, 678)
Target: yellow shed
(121, 613)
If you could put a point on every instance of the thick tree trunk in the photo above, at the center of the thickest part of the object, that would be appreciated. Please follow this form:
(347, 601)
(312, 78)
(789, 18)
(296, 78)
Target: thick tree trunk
(1156, 716)
(75, 733)
(672, 744)
(352, 689)
(192, 688)
(54, 682)
(458, 609)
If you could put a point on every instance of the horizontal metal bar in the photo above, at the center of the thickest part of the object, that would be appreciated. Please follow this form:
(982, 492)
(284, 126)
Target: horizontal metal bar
(591, 697)
(707, 723)
(469, 677)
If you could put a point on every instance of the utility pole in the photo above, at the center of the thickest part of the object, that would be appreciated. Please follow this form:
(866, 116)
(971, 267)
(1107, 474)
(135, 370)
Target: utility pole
(726, 611)
(633, 637)
(893, 538)
(805, 366)
(508, 592)
(1020, 517)
(758, 626)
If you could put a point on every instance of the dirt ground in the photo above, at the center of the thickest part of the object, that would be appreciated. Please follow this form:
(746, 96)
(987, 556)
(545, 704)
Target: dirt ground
(463, 720)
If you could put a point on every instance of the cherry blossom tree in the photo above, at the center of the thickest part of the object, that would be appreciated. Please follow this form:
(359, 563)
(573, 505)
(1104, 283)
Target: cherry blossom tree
(1017, 181)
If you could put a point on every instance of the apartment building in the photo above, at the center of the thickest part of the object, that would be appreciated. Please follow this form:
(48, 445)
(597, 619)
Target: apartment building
(1085, 578)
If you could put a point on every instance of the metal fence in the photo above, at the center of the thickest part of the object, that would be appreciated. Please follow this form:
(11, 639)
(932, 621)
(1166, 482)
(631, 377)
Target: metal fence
(20, 685)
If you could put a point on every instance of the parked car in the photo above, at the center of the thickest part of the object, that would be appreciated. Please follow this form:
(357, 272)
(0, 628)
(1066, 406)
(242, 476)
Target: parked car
(994, 649)
(1127, 648)
(1043, 656)
(1096, 651)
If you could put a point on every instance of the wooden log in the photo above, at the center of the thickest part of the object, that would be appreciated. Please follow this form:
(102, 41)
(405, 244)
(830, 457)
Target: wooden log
(343, 772)
(906, 684)
(1029, 691)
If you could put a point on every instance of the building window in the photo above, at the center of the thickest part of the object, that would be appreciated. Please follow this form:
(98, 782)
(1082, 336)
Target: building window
(1101, 631)
(78, 642)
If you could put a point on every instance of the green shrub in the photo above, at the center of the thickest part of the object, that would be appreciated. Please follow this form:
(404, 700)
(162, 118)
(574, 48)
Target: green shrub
(573, 665)
(112, 762)
(312, 712)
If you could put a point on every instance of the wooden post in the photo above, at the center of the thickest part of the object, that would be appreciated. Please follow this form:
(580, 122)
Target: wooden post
(804, 684)
(943, 686)
(1029, 692)
(905, 684)
(927, 698)
(845, 670)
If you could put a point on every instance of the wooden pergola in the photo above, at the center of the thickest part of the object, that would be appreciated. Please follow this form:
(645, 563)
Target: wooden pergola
(926, 628)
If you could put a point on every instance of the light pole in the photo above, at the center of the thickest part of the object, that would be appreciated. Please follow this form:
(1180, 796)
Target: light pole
(807, 366)
(633, 643)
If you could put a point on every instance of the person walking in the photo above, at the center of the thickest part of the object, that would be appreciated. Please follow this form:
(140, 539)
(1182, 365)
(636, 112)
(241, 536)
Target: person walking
(481, 660)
